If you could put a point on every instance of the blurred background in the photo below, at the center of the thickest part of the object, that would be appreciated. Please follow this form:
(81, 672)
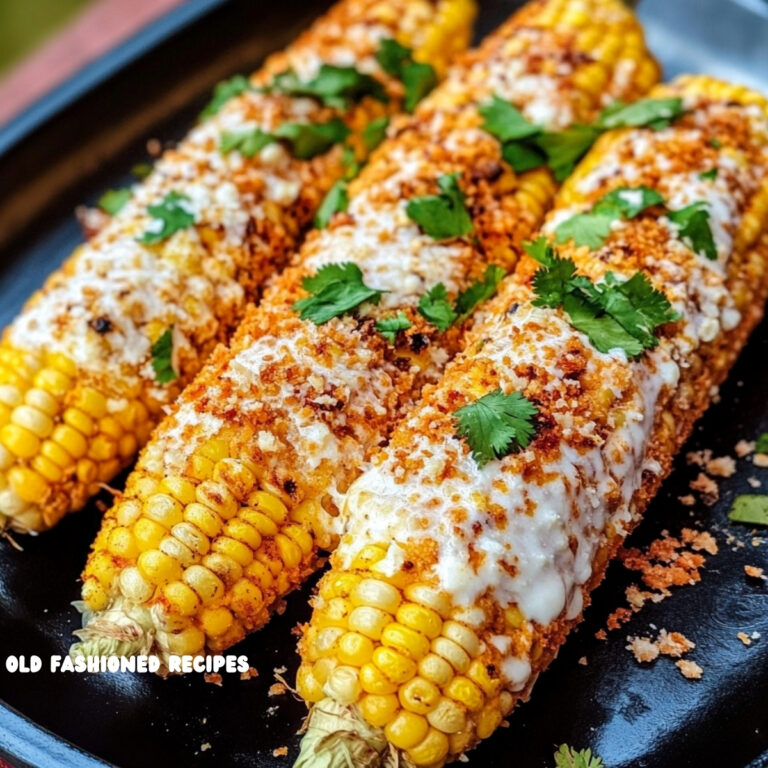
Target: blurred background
(42, 42)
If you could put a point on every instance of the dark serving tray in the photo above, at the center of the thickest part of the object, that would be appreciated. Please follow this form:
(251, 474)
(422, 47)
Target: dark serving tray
(83, 139)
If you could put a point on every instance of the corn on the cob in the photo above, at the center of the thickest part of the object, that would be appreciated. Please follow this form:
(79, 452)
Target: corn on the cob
(79, 368)
(455, 584)
(231, 500)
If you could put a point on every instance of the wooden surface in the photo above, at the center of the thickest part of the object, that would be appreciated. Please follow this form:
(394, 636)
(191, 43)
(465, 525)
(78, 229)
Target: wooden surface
(98, 28)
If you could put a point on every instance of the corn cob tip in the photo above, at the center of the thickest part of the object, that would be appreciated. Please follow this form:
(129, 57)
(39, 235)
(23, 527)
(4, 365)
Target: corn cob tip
(336, 737)
(113, 632)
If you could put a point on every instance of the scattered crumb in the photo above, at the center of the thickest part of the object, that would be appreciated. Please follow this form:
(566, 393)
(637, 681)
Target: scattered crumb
(699, 458)
(280, 752)
(214, 678)
(745, 638)
(756, 541)
(744, 448)
(755, 635)
(760, 459)
(583, 661)
(753, 482)
(280, 670)
(277, 689)
(205, 747)
(674, 644)
(154, 147)
(707, 487)
(753, 571)
(250, 673)
(690, 669)
(688, 500)
(601, 634)
(699, 540)
(643, 648)
(271, 710)
(281, 607)
(463, 758)
(618, 617)
(723, 466)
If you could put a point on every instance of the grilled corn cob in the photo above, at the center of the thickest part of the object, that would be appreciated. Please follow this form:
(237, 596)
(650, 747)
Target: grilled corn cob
(88, 366)
(236, 492)
(455, 582)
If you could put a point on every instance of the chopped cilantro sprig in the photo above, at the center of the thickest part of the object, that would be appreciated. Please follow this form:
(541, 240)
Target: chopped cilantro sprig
(388, 327)
(170, 215)
(114, 200)
(693, 225)
(418, 78)
(224, 91)
(444, 215)
(496, 425)
(162, 358)
(569, 757)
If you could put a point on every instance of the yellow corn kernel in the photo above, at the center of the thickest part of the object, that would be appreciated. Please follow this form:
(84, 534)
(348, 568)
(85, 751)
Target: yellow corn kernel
(435, 669)
(463, 690)
(102, 568)
(37, 422)
(94, 595)
(289, 552)
(177, 550)
(7, 459)
(203, 518)
(48, 469)
(201, 468)
(419, 695)
(62, 363)
(78, 420)
(243, 532)
(301, 538)
(127, 446)
(431, 750)
(335, 613)
(216, 621)
(377, 594)
(369, 621)
(217, 497)
(233, 549)
(355, 649)
(27, 484)
(178, 487)
(463, 636)
(236, 476)
(326, 641)
(448, 716)
(140, 485)
(192, 537)
(56, 454)
(269, 504)
(55, 382)
(134, 586)
(452, 653)
(70, 440)
(109, 426)
(259, 574)
(343, 685)
(265, 525)
(102, 448)
(307, 685)
(148, 534)
(373, 680)
(180, 599)
(406, 729)
(514, 617)
(215, 449)
(11, 396)
(190, 641)
(157, 567)
(338, 585)
(87, 471)
(19, 441)
(92, 402)
(478, 673)
(423, 594)
(127, 511)
(378, 710)
(368, 556)
(395, 666)
(163, 509)
(488, 721)
(246, 599)
(406, 640)
(121, 543)
(420, 618)
(227, 569)
(206, 584)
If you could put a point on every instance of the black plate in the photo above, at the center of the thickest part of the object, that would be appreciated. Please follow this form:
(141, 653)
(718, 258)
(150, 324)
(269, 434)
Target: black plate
(52, 159)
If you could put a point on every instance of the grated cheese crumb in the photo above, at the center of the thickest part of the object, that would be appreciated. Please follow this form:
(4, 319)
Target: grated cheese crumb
(745, 638)
(643, 648)
(280, 752)
(754, 572)
(689, 669)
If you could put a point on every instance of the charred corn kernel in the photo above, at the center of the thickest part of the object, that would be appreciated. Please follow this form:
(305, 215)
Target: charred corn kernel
(204, 518)
(419, 695)
(377, 594)
(38, 423)
(261, 522)
(103, 568)
(27, 484)
(78, 420)
(121, 543)
(454, 654)
(246, 598)
(189, 641)
(462, 636)
(420, 618)
(177, 550)
(216, 621)
(48, 469)
(233, 549)
(225, 567)
(406, 730)
(463, 690)
(157, 567)
(422, 594)
(217, 497)
(19, 441)
(448, 716)
(180, 599)
(431, 749)
(373, 680)
(478, 673)
(134, 586)
(192, 537)
(70, 440)
(180, 488)
(206, 584)
(406, 640)
(289, 552)
(355, 649)
(396, 667)
(236, 476)
(369, 621)
(378, 710)
(269, 504)
(259, 574)
(56, 453)
(488, 721)
(87, 471)
(148, 534)
(343, 685)
(435, 669)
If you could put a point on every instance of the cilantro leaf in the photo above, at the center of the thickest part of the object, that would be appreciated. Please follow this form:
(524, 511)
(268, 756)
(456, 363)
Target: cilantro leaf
(709, 175)
(654, 113)
(247, 142)
(442, 216)
(750, 509)
(523, 155)
(602, 330)
(505, 121)
(162, 357)
(564, 149)
(335, 200)
(693, 223)
(349, 162)
(170, 215)
(716, 143)
(540, 250)
(334, 290)
(114, 200)
(310, 139)
(141, 170)
(553, 282)
(761, 444)
(496, 425)
(632, 201)
(389, 326)
(568, 757)
(435, 308)
(374, 133)
(417, 78)
(479, 291)
(333, 86)
(224, 91)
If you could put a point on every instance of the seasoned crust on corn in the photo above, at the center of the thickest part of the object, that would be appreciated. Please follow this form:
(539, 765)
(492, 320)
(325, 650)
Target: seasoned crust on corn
(81, 350)
(461, 583)
(295, 407)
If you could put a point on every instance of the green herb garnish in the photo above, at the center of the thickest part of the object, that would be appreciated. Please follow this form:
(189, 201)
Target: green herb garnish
(417, 78)
(170, 215)
(333, 86)
(335, 200)
(496, 424)
(716, 143)
(569, 757)
(224, 91)
(374, 133)
(709, 175)
(114, 200)
(310, 139)
(162, 357)
(247, 142)
(388, 327)
(693, 223)
(478, 292)
(761, 444)
(334, 290)
(442, 216)
(141, 170)
(435, 307)
(750, 509)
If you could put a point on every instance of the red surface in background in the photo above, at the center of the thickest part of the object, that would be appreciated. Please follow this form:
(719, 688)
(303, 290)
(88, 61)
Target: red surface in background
(97, 29)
